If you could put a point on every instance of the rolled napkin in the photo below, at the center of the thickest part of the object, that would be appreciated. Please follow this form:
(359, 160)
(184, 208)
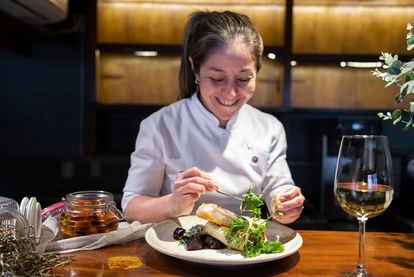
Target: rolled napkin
(125, 232)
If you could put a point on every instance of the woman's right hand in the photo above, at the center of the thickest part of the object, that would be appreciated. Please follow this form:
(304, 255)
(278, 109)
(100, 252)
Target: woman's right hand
(188, 186)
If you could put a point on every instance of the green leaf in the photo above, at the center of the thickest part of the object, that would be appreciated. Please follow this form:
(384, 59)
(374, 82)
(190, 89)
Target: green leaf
(410, 41)
(396, 116)
(395, 67)
(252, 202)
(272, 247)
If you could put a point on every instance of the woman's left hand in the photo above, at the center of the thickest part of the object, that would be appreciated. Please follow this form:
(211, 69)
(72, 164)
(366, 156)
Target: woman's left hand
(290, 202)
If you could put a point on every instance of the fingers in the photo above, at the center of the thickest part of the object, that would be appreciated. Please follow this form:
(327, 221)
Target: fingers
(196, 180)
(182, 203)
(290, 198)
(291, 204)
(290, 201)
(200, 185)
(289, 216)
(190, 187)
(190, 198)
(193, 172)
(289, 193)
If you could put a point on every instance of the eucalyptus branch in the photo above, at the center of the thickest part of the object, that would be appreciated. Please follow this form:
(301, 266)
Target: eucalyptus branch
(398, 73)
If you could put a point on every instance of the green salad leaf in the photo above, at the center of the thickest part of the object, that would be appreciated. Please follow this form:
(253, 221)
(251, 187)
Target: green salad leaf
(252, 202)
(249, 234)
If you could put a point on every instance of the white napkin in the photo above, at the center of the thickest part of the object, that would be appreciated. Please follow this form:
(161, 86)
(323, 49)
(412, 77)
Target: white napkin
(50, 241)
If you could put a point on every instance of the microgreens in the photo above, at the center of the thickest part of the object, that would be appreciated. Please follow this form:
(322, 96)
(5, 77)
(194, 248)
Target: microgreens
(248, 234)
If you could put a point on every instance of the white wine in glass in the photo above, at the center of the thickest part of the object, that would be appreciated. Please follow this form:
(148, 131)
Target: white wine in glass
(363, 183)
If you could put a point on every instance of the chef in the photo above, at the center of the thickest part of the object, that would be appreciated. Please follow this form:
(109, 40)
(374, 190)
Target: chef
(211, 138)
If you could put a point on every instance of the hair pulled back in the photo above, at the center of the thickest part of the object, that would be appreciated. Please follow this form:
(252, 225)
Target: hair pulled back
(206, 32)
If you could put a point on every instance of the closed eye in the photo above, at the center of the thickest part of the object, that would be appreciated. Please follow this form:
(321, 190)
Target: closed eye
(243, 81)
(216, 80)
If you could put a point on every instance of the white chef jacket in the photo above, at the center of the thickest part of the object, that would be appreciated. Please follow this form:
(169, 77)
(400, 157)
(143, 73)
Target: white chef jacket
(249, 154)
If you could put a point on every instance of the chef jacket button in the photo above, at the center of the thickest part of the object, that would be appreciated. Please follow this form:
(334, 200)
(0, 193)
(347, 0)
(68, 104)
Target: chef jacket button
(249, 146)
(255, 159)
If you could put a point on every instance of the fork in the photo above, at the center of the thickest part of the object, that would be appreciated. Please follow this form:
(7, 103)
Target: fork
(229, 195)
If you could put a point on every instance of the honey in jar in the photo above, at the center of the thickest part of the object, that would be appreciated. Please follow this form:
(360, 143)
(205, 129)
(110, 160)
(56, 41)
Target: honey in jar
(88, 212)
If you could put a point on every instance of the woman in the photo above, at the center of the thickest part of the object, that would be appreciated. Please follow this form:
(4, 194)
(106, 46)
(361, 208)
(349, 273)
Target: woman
(211, 138)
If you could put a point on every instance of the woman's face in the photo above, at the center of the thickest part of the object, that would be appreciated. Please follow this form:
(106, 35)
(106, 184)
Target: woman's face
(227, 80)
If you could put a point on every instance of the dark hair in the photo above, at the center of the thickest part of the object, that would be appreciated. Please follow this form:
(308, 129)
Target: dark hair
(206, 32)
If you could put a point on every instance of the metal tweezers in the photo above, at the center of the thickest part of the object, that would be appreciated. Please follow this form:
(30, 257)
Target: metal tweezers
(229, 195)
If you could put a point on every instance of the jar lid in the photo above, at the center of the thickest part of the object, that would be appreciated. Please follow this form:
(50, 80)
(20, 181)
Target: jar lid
(89, 197)
(89, 194)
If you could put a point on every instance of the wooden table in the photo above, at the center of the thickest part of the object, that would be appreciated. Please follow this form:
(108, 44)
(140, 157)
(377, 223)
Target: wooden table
(324, 253)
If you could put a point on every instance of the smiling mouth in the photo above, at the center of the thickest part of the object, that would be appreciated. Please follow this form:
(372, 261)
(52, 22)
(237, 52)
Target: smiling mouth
(227, 103)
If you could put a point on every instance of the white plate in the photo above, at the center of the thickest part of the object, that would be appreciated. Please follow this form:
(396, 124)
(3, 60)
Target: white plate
(160, 237)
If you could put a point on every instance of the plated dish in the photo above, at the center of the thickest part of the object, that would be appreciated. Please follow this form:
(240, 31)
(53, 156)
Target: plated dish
(160, 237)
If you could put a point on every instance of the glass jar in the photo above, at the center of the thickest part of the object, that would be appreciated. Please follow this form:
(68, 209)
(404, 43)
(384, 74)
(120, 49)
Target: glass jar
(11, 218)
(88, 212)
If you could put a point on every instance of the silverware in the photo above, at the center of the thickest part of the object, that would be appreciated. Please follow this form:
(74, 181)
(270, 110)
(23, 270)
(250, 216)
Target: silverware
(229, 195)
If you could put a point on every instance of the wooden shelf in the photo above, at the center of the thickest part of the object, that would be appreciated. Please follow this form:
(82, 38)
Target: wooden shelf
(322, 59)
(329, 86)
(350, 28)
(162, 22)
(123, 78)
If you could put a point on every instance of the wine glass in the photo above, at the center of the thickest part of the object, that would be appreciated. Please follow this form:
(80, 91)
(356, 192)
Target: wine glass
(363, 183)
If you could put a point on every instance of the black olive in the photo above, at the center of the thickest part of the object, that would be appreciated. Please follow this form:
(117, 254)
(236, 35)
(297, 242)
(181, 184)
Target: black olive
(212, 243)
(178, 233)
(193, 243)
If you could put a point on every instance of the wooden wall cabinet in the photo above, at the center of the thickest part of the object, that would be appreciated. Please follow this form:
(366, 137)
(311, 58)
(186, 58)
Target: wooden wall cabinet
(334, 87)
(269, 85)
(162, 22)
(350, 27)
(317, 31)
(125, 79)
(131, 80)
(340, 31)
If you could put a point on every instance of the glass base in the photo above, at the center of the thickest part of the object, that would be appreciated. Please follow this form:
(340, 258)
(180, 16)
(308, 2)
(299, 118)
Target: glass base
(355, 274)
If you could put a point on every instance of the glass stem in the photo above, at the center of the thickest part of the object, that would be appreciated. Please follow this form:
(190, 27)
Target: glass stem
(360, 268)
